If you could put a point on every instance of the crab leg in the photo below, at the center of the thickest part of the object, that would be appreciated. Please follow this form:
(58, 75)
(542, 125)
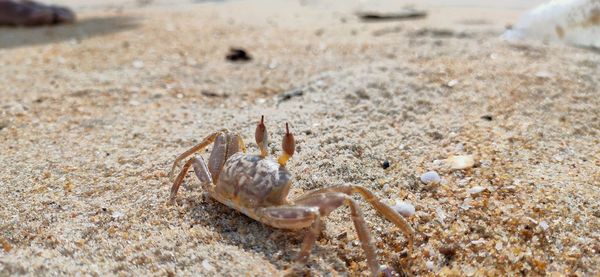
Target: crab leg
(237, 144)
(309, 212)
(294, 217)
(329, 201)
(309, 239)
(179, 179)
(380, 207)
(205, 142)
(200, 169)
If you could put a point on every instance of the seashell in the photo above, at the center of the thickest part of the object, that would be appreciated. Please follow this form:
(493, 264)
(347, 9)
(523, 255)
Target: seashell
(476, 190)
(460, 162)
(431, 177)
(404, 208)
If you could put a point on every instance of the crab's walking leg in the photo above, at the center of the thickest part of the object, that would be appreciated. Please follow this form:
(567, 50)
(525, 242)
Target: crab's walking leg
(309, 239)
(205, 142)
(309, 212)
(201, 171)
(380, 207)
(327, 202)
(240, 143)
(293, 217)
(179, 179)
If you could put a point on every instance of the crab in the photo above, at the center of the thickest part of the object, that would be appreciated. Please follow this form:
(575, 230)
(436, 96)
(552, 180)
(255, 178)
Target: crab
(258, 186)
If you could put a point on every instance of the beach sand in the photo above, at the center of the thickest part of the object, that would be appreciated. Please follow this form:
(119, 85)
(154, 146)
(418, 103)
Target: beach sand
(92, 116)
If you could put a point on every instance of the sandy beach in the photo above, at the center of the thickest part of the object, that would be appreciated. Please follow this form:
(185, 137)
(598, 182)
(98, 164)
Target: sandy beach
(92, 116)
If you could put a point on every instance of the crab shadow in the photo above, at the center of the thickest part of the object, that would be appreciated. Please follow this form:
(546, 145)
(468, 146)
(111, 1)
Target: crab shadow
(82, 29)
(278, 246)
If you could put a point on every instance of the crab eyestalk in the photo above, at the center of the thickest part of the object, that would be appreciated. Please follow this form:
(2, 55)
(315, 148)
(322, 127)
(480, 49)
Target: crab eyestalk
(289, 146)
(262, 137)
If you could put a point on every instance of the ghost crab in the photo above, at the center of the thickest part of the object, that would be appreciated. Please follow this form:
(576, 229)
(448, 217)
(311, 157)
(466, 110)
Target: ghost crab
(258, 186)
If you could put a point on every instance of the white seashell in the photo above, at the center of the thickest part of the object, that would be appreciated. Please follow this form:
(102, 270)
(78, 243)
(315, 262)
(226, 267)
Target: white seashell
(571, 21)
(460, 162)
(452, 83)
(431, 177)
(404, 208)
(476, 190)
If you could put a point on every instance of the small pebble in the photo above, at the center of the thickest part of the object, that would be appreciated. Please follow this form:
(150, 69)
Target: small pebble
(15, 109)
(448, 250)
(479, 241)
(404, 208)
(487, 117)
(386, 271)
(138, 64)
(469, 271)
(466, 203)
(342, 235)
(430, 265)
(543, 74)
(207, 265)
(431, 177)
(544, 225)
(558, 158)
(117, 214)
(452, 83)
(531, 220)
(386, 164)
(440, 214)
(476, 190)
(509, 188)
(238, 55)
(459, 147)
(461, 162)
(386, 187)
(273, 65)
(485, 163)
(191, 62)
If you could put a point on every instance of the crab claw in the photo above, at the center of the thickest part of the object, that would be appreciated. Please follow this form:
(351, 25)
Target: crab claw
(288, 145)
(262, 137)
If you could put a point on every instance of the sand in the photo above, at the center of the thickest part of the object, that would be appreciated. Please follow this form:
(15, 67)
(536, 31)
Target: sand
(93, 115)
